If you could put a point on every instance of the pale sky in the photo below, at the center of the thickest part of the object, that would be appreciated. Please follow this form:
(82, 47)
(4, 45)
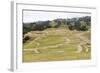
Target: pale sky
(32, 16)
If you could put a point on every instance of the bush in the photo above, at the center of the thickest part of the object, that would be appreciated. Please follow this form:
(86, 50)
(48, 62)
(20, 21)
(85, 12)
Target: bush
(26, 38)
(83, 26)
(71, 26)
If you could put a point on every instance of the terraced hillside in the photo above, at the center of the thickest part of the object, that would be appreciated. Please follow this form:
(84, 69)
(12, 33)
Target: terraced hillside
(56, 44)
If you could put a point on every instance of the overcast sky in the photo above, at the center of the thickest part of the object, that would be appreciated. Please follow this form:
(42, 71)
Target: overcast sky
(32, 16)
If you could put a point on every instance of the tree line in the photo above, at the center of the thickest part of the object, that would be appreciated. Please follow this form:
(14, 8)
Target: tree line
(78, 23)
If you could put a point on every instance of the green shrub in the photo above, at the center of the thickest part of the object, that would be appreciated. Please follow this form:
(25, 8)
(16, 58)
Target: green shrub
(26, 38)
(83, 26)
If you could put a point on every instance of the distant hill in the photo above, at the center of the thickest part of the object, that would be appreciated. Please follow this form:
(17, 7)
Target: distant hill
(79, 23)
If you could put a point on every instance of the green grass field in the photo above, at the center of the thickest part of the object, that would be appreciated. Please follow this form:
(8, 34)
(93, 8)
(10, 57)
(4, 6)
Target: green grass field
(56, 44)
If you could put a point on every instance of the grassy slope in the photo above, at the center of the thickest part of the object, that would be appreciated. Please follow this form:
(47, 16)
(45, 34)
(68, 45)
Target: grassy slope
(52, 38)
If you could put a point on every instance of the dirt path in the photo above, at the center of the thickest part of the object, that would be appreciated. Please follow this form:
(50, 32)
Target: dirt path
(84, 41)
(66, 41)
(33, 50)
(35, 40)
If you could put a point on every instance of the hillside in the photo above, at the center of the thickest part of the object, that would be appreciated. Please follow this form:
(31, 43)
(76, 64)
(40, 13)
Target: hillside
(57, 44)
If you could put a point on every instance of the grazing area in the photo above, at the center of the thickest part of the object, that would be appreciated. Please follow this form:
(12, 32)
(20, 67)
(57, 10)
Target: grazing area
(56, 44)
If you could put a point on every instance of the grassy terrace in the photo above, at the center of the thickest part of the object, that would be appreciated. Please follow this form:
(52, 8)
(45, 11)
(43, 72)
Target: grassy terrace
(57, 44)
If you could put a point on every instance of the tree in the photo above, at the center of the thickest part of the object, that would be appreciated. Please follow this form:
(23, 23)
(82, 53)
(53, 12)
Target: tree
(71, 26)
(83, 26)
